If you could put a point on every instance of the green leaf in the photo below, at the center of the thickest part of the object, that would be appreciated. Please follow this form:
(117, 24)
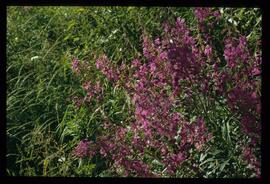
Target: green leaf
(222, 166)
(206, 161)
(202, 157)
(67, 37)
(76, 39)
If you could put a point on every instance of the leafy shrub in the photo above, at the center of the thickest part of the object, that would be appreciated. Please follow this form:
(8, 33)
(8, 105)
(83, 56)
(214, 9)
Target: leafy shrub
(175, 92)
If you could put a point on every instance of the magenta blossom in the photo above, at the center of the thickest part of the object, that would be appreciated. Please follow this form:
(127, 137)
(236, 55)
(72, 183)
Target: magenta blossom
(82, 149)
(75, 63)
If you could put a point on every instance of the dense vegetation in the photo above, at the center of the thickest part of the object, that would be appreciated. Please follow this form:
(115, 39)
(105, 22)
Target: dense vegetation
(133, 91)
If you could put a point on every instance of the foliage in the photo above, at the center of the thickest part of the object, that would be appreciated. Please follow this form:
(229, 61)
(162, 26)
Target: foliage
(51, 107)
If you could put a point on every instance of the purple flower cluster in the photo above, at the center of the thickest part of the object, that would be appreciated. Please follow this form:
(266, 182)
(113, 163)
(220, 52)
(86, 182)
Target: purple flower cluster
(234, 54)
(78, 101)
(240, 84)
(195, 134)
(243, 97)
(205, 26)
(83, 149)
(177, 64)
(252, 160)
(75, 64)
(202, 13)
(106, 67)
(155, 89)
(208, 50)
(93, 90)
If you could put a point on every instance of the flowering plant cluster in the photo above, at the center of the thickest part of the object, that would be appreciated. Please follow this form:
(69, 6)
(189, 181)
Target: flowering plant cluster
(174, 67)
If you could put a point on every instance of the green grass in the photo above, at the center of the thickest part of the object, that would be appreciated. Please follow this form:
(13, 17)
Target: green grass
(43, 126)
